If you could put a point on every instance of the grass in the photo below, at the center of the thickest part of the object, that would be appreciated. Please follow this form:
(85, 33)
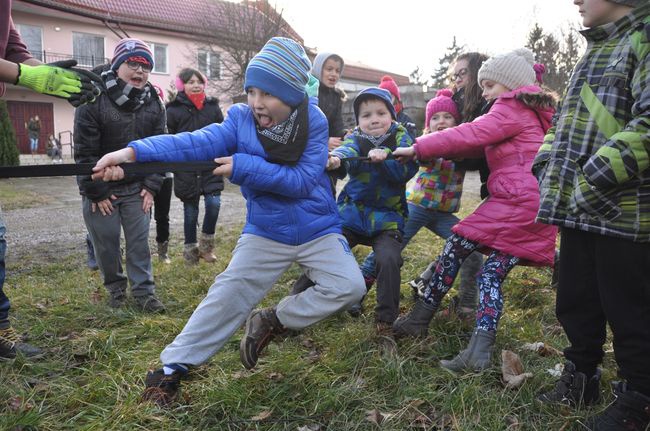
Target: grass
(336, 375)
(14, 197)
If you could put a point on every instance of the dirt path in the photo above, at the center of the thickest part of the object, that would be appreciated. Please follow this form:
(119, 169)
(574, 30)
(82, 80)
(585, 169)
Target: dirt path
(56, 229)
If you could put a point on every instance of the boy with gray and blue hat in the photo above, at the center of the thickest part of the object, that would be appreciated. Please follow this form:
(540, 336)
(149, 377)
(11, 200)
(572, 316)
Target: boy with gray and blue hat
(275, 148)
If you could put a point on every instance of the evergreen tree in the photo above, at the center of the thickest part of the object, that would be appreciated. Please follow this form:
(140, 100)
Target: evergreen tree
(8, 146)
(558, 56)
(440, 77)
(416, 77)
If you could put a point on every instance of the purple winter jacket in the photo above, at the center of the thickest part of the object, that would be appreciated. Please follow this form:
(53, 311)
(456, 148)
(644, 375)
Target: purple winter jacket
(508, 136)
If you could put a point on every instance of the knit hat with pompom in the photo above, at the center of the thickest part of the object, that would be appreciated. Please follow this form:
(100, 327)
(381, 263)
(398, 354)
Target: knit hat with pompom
(441, 103)
(513, 69)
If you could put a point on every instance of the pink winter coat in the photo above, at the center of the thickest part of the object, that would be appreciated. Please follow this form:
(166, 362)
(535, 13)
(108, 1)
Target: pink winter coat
(509, 135)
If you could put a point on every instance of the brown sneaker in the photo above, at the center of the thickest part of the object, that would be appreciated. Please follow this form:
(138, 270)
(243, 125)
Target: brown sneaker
(261, 327)
(149, 303)
(160, 388)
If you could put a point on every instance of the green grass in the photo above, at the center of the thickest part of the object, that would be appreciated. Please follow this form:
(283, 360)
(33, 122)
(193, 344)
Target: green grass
(12, 196)
(330, 376)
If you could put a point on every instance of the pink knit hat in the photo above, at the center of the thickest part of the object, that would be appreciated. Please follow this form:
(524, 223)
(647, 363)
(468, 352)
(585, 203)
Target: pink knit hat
(441, 103)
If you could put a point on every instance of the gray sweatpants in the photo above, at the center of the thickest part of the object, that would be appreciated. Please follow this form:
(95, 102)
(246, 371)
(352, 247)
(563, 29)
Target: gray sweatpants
(256, 265)
(105, 234)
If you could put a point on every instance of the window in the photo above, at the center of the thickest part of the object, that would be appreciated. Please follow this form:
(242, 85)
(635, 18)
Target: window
(210, 64)
(33, 38)
(88, 49)
(159, 57)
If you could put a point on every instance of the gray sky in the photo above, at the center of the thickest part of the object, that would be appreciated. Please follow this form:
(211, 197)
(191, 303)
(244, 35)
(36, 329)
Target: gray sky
(399, 35)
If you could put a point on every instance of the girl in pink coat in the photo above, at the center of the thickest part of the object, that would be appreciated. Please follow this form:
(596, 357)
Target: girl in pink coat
(503, 226)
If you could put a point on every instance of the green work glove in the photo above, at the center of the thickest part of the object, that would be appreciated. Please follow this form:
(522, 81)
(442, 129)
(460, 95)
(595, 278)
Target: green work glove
(62, 79)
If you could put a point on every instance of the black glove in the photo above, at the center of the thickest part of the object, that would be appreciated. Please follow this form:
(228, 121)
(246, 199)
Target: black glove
(91, 83)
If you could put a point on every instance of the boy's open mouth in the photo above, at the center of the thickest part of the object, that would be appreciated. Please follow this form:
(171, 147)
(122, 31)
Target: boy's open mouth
(264, 121)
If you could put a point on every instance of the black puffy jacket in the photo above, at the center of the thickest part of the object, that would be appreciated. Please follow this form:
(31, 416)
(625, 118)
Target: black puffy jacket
(330, 101)
(102, 127)
(182, 116)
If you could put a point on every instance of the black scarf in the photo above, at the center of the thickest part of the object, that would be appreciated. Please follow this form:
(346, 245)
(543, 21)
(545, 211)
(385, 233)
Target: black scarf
(368, 142)
(284, 143)
(126, 96)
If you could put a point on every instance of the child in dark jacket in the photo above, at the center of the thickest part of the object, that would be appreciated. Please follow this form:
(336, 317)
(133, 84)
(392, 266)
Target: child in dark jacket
(128, 109)
(594, 176)
(373, 202)
(328, 68)
(191, 110)
(275, 148)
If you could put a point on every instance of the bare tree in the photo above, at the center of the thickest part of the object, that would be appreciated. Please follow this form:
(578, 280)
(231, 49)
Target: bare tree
(233, 34)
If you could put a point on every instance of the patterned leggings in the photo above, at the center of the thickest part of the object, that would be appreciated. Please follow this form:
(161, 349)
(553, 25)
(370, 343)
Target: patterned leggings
(489, 279)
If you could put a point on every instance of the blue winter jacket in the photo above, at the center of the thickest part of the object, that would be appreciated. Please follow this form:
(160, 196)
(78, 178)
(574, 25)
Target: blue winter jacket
(291, 204)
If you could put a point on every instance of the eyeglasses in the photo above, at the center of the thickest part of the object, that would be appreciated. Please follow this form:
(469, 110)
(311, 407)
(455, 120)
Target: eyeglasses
(133, 65)
(461, 73)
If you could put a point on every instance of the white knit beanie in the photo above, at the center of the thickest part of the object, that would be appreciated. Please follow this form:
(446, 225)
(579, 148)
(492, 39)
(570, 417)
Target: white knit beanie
(513, 69)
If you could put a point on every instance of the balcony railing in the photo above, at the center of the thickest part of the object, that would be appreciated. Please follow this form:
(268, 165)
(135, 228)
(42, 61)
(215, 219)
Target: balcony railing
(87, 62)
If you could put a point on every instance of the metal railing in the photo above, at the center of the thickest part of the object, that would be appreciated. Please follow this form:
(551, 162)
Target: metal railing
(82, 60)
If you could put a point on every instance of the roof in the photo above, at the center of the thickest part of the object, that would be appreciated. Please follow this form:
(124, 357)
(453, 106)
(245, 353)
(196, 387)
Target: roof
(185, 16)
(362, 72)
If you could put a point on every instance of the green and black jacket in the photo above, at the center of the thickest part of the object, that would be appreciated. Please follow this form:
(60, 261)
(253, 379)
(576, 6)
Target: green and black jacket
(594, 165)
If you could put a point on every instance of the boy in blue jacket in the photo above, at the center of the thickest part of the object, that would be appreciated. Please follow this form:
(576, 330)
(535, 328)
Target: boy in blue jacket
(275, 148)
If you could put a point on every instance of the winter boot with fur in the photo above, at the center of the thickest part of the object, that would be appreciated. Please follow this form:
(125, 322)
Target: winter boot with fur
(477, 355)
(416, 323)
(191, 254)
(630, 411)
(206, 245)
(163, 248)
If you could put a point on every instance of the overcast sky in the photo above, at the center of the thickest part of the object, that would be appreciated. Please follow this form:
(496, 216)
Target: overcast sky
(400, 35)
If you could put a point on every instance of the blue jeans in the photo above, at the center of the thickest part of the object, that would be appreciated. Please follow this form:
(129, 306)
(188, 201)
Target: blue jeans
(33, 144)
(437, 222)
(191, 216)
(4, 301)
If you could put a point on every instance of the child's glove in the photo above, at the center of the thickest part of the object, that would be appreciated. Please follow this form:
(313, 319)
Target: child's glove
(60, 80)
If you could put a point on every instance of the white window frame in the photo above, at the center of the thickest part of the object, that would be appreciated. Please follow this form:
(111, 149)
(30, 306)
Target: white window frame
(152, 47)
(34, 52)
(208, 64)
(99, 59)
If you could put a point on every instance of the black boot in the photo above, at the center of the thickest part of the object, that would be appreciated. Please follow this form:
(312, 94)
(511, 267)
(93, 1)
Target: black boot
(573, 388)
(630, 411)
(416, 323)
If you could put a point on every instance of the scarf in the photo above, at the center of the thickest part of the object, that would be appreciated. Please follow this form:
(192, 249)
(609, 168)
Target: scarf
(285, 142)
(126, 96)
(197, 99)
(369, 142)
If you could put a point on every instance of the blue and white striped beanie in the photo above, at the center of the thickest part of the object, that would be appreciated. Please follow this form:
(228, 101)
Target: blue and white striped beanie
(281, 69)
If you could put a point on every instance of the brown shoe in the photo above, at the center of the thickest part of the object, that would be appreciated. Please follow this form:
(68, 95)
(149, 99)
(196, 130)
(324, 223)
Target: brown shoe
(160, 388)
(261, 327)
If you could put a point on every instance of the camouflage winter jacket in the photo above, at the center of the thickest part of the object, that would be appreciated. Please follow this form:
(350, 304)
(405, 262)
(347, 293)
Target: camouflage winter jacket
(593, 167)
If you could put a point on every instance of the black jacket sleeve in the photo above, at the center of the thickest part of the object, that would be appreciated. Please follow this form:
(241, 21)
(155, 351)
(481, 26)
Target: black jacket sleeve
(87, 149)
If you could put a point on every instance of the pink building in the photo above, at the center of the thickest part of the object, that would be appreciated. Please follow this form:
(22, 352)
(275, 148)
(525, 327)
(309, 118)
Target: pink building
(88, 30)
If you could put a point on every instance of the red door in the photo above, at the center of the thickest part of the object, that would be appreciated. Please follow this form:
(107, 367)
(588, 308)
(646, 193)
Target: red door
(21, 112)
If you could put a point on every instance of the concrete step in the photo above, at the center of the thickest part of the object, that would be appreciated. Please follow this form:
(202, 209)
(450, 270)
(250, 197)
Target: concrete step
(41, 159)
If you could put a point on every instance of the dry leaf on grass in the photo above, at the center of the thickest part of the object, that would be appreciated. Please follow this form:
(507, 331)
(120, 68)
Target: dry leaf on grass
(17, 404)
(512, 422)
(309, 428)
(276, 377)
(265, 414)
(96, 297)
(376, 417)
(512, 370)
(542, 348)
